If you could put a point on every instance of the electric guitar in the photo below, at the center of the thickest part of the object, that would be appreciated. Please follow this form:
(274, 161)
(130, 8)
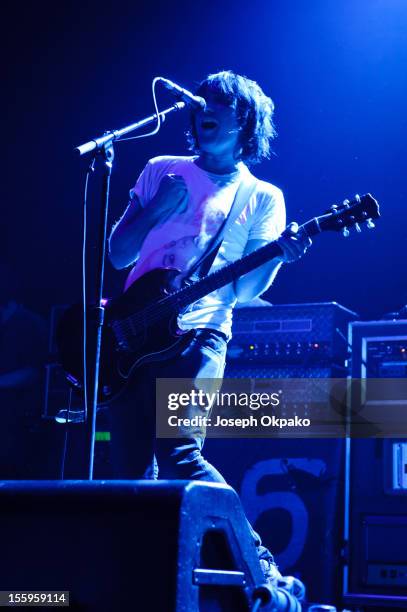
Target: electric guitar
(140, 326)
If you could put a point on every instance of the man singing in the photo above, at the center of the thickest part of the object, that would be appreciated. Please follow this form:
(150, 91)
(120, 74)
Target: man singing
(177, 206)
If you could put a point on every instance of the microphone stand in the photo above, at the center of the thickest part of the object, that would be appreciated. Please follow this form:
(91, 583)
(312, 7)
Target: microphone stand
(104, 146)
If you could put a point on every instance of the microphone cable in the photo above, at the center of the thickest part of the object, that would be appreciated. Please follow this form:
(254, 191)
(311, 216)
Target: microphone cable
(157, 112)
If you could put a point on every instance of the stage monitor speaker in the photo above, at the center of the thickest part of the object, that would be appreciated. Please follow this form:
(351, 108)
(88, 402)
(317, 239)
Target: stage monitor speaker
(129, 545)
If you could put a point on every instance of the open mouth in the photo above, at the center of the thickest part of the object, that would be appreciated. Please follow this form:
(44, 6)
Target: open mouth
(209, 124)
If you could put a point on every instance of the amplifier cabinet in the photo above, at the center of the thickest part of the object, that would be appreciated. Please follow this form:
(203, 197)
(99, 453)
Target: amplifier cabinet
(375, 572)
(292, 489)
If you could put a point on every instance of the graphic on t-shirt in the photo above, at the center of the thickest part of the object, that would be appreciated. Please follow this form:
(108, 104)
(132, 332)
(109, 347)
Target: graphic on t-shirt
(185, 234)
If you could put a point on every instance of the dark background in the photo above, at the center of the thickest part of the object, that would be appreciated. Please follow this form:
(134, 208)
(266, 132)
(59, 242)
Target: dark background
(336, 71)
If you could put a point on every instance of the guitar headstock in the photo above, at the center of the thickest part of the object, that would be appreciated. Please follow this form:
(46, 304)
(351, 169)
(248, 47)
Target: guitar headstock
(351, 213)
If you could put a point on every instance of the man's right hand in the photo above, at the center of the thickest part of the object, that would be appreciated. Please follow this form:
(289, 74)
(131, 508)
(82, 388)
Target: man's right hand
(172, 195)
(129, 233)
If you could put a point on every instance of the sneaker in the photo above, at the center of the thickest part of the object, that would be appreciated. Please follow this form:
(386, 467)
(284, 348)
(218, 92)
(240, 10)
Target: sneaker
(292, 585)
(270, 571)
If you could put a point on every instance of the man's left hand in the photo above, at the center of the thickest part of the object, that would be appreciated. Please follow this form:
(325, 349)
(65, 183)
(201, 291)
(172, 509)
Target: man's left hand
(294, 243)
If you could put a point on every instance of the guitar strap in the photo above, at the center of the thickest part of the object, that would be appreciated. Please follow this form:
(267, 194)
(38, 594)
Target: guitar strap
(243, 194)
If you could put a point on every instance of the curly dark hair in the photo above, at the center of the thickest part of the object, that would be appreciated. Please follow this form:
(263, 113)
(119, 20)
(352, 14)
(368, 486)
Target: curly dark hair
(254, 113)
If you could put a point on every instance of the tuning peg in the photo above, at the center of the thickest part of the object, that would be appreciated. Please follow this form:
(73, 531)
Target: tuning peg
(332, 209)
(358, 228)
(370, 224)
(345, 232)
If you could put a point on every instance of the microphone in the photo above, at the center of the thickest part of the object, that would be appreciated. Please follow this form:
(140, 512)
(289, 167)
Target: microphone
(196, 102)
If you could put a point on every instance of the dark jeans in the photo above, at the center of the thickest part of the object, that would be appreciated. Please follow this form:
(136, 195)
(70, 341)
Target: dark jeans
(134, 445)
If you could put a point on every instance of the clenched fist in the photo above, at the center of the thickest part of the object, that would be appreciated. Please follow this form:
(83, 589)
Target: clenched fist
(172, 195)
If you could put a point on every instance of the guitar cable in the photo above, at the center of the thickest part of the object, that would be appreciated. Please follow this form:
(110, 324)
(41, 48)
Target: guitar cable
(90, 169)
(65, 447)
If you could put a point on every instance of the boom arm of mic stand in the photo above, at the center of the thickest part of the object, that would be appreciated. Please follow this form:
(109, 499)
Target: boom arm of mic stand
(99, 143)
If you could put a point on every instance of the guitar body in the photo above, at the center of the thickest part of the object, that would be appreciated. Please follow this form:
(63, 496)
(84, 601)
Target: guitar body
(121, 353)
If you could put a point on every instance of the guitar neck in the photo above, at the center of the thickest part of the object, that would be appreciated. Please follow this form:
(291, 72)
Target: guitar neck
(186, 296)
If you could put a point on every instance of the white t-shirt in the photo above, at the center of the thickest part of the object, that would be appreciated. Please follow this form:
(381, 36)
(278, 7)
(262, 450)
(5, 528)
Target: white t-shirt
(179, 241)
